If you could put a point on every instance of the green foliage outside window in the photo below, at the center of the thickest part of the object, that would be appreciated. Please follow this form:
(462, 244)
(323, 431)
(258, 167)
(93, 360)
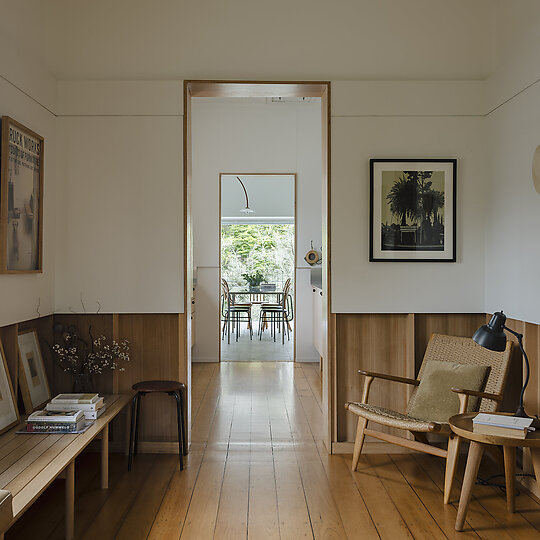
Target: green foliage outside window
(267, 248)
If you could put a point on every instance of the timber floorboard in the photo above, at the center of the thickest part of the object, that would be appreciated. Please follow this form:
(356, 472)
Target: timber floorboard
(258, 470)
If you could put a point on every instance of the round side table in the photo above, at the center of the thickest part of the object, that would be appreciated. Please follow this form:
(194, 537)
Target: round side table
(461, 425)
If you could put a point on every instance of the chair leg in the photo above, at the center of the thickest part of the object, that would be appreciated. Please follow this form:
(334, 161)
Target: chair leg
(183, 404)
(180, 427)
(137, 418)
(451, 464)
(359, 441)
(132, 430)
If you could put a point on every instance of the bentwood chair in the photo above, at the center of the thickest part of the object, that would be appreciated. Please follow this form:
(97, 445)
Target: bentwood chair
(457, 350)
(287, 285)
(235, 314)
(277, 314)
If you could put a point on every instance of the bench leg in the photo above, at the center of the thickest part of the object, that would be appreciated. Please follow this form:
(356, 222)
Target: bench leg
(105, 457)
(70, 500)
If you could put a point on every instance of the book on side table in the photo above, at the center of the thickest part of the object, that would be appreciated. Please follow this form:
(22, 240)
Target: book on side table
(502, 426)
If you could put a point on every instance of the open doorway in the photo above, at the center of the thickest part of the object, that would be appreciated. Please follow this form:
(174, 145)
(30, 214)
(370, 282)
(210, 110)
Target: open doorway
(257, 267)
(223, 131)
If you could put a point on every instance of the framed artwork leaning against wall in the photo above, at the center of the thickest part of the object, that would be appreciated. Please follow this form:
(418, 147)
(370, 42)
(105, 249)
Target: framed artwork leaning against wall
(32, 376)
(21, 199)
(9, 414)
(412, 210)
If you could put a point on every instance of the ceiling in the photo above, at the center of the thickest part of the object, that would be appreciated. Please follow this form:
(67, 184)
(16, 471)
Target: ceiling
(278, 40)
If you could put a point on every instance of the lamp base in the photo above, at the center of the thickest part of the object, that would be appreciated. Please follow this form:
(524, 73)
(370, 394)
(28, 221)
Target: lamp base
(520, 413)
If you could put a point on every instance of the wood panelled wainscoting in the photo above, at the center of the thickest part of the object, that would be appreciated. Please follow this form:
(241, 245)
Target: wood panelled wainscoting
(395, 343)
(157, 352)
(391, 343)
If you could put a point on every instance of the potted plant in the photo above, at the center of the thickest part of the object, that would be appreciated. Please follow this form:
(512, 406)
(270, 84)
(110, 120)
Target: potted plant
(254, 279)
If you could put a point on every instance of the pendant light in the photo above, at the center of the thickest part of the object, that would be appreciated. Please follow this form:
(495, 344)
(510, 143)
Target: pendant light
(247, 209)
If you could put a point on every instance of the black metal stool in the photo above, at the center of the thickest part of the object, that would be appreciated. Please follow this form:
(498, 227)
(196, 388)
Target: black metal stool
(172, 388)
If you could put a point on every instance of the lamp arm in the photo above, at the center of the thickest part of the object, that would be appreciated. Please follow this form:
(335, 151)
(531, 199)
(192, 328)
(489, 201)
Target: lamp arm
(520, 343)
(245, 191)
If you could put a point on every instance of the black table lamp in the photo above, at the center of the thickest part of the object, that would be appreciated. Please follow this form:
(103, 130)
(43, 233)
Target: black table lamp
(492, 337)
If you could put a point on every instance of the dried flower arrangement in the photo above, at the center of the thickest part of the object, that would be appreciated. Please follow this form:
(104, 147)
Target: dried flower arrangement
(84, 358)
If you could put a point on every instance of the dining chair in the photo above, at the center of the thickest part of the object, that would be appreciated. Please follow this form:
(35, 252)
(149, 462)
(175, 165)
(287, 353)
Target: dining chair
(235, 314)
(278, 315)
(276, 304)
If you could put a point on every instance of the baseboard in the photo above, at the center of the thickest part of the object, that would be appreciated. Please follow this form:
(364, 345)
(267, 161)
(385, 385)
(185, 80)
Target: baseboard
(310, 360)
(370, 447)
(204, 359)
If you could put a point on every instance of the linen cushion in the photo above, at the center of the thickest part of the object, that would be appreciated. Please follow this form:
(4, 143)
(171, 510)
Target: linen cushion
(434, 399)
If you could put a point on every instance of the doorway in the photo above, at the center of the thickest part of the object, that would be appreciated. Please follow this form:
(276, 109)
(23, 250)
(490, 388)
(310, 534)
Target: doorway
(257, 267)
(278, 92)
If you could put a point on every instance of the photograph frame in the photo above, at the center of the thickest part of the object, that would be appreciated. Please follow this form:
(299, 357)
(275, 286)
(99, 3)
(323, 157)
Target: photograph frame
(9, 384)
(26, 370)
(449, 251)
(5, 267)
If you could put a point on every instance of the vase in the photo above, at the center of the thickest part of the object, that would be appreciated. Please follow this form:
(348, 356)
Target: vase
(83, 383)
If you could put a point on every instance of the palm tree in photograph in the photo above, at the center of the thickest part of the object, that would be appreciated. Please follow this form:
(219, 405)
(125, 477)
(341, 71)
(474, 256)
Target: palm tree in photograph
(403, 199)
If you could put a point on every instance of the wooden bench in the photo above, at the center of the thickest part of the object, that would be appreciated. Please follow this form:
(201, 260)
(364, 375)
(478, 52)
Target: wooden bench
(30, 462)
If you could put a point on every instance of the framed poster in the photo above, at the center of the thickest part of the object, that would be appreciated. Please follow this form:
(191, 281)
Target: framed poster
(32, 377)
(9, 414)
(21, 199)
(412, 210)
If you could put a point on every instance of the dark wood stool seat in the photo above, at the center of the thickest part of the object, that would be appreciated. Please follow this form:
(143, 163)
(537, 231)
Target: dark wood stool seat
(159, 386)
(172, 388)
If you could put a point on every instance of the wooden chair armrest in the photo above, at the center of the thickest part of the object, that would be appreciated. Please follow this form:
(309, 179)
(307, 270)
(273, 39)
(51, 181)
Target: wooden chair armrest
(475, 393)
(375, 375)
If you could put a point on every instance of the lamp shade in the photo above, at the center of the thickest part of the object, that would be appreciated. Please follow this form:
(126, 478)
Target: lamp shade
(491, 336)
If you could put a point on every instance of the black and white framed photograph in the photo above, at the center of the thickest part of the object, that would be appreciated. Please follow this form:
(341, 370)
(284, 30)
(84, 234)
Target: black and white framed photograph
(412, 210)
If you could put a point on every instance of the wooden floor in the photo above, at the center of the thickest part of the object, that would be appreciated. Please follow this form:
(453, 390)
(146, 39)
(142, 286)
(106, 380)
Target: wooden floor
(258, 470)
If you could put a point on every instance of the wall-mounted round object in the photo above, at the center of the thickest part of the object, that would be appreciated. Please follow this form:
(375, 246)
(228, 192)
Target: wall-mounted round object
(536, 169)
(312, 257)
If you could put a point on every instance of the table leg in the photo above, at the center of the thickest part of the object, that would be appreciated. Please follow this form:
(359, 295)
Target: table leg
(105, 457)
(70, 500)
(476, 451)
(510, 477)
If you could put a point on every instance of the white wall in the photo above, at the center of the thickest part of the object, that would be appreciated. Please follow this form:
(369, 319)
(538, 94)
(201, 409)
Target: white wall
(406, 120)
(512, 265)
(120, 237)
(252, 137)
(27, 93)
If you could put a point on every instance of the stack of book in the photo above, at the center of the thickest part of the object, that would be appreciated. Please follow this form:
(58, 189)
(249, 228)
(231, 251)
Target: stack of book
(91, 405)
(502, 426)
(55, 422)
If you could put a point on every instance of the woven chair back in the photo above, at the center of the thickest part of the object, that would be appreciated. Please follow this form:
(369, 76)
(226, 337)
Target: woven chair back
(463, 350)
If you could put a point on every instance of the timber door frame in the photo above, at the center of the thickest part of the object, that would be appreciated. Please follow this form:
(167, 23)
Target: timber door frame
(236, 88)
